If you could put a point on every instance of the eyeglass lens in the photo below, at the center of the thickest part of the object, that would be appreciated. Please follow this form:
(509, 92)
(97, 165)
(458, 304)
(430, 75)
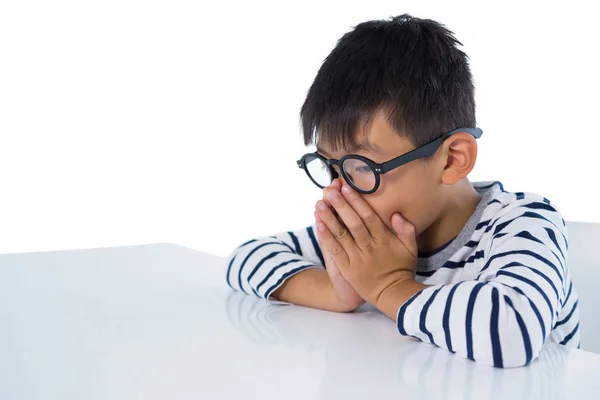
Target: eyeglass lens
(358, 172)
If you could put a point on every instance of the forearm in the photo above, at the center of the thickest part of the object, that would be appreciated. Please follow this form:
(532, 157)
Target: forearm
(259, 266)
(490, 322)
(311, 288)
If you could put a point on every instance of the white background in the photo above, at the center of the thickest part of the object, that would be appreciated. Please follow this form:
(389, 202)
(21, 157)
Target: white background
(128, 122)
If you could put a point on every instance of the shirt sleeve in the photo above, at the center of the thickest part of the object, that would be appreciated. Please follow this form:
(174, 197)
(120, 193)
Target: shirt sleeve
(260, 266)
(503, 317)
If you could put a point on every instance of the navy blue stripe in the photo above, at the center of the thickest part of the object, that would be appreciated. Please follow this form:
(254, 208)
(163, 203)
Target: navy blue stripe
(526, 214)
(460, 264)
(457, 265)
(535, 271)
(531, 214)
(446, 317)
(266, 278)
(570, 335)
(248, 242)
(568, 293)
(530, 283)
(454, 264)
(313, 239)
(284, 243)
(568, 317)
(552, 237)
(520, 195)
(545, 200)
(498, 227)
(423, 316)
(246, 259)
(285, 276)
(296, 243)
(527, 235)
(524, 332)
(494, 334)
(469, 319)
(229, 271)
(540, 206)
(402, 312)
(527, 253)
(534, 308)
(260, 263)
(472, 243)
(482, 224)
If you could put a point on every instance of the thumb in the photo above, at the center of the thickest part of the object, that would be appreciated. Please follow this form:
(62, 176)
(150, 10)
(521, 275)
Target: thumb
(405, 231)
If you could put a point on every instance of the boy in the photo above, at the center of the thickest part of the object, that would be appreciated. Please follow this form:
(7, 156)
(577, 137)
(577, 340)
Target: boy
(469, 267)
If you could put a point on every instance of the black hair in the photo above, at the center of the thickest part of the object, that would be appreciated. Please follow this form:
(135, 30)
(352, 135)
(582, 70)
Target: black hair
(409, 67)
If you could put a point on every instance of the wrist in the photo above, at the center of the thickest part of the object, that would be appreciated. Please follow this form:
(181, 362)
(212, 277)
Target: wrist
(396, 294)
(337, 303)
(311, 288)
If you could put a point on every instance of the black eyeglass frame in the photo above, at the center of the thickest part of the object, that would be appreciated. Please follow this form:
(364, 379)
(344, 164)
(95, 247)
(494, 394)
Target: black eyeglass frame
(379, 169)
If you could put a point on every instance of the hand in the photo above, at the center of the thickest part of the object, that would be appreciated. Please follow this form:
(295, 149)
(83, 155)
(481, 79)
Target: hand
(369, 255)
(347, 295)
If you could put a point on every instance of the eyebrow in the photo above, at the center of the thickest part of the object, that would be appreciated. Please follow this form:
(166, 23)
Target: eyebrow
(370, 147)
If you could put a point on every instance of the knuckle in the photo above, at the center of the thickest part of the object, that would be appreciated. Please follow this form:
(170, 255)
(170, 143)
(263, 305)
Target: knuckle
(335, 251)
(384, 240)
(369, 217)
(355, 225)
(367, 247)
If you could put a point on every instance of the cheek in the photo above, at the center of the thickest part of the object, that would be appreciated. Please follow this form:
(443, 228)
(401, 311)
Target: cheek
(407, 191)
(389, 199)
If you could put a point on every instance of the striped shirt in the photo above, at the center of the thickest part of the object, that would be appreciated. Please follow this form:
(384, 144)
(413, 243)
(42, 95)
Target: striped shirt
(496, 292)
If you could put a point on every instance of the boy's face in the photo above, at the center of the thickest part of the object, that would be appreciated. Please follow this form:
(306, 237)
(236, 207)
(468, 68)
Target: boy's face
(412, 189)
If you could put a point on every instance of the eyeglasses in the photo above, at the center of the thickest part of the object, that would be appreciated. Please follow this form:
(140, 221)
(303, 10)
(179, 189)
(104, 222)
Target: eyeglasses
(363, 174)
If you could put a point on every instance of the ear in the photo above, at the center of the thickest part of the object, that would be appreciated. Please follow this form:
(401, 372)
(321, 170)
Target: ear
(460, 153)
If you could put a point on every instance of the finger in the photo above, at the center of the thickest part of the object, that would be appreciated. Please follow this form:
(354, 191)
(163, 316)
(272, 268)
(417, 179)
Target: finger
(339, 230)
(330, 266)
(406, 233)
(332, 250)
(373, 223)
(350, 218)
(336, 184)
(317, 218)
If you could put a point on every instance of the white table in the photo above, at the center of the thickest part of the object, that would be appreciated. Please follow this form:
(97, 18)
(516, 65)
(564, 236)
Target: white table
(157, 322)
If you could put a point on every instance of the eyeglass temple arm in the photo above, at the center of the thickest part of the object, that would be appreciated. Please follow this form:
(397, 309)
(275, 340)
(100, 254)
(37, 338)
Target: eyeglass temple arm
(426, 150)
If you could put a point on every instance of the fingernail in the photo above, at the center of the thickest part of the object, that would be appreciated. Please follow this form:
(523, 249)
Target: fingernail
(321, 227)
(346, 189)
(321, 206)
(399, 218)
